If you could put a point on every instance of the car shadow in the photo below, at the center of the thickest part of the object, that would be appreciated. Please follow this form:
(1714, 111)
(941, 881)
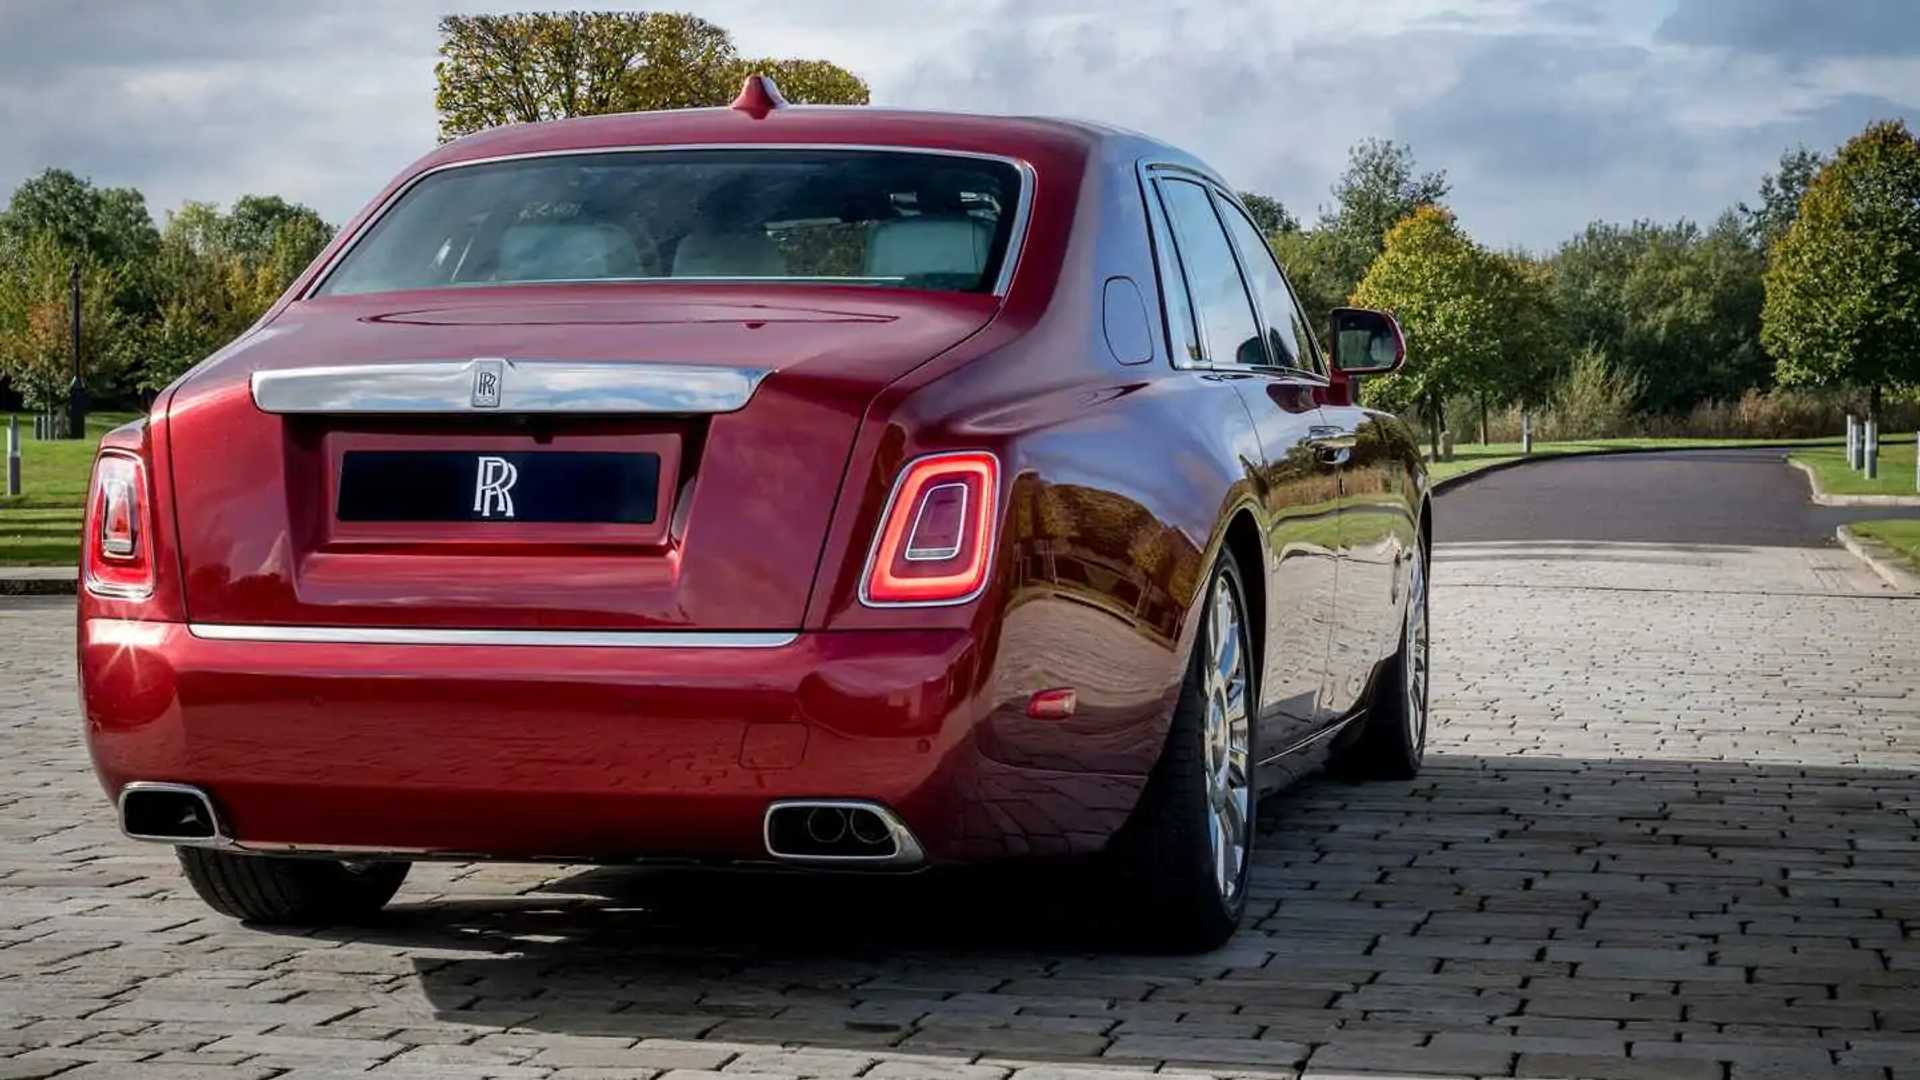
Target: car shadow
(1387, 921)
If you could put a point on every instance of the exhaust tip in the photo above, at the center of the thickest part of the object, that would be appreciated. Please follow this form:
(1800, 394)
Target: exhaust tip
(834, 831)
(170, 814)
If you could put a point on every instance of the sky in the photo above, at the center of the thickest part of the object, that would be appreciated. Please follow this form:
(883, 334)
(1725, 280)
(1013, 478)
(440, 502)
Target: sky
(1546, 114)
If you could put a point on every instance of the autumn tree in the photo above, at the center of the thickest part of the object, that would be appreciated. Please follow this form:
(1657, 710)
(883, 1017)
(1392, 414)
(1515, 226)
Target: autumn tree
(1843, 281)
(36, 356)
(1448, 294)
(1379, 188)
(518, 68)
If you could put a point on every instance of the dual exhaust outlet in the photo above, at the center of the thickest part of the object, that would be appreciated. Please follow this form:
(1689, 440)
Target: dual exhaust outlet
(818, 831)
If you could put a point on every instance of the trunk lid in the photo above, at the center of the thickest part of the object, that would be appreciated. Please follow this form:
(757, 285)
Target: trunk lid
(325, 514)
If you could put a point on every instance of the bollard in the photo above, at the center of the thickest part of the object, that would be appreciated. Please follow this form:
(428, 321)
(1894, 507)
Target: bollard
(13, 455)
(1446, 446)
(1870, 453)
(1526, 434)
(1853, 442)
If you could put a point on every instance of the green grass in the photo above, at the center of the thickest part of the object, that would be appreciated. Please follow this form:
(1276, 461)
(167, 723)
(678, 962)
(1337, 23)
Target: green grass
(41, 526)
(1472, 457)
(1896, 469)
(1902, 536)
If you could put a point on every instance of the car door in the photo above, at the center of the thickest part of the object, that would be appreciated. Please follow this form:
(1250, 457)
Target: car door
(1295, 488)
(1377, 533)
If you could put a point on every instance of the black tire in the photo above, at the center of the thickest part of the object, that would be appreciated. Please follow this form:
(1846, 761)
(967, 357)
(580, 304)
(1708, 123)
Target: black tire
(1167, 862)
(289, 891)
(1392, 742)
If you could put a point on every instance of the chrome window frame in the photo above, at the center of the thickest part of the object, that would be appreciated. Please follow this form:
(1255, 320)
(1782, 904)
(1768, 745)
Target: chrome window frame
(1009, 262)
(1150, 171)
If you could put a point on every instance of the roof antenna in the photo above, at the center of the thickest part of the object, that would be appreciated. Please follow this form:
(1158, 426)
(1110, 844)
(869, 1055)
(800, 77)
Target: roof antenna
(758, 97)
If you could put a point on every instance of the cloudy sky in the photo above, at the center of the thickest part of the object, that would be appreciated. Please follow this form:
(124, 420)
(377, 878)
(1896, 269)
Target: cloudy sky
(1545, 113)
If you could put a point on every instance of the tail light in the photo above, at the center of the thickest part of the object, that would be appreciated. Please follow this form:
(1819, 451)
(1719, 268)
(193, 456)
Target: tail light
(118, 556)
(936, 537)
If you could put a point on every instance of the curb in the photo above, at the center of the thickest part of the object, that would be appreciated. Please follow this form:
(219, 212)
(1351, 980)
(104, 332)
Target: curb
(1884, 560)
(38, 581)
(1439, 486)
(1821, 497)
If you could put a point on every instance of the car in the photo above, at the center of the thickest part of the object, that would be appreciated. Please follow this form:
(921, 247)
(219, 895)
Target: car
(836, 488)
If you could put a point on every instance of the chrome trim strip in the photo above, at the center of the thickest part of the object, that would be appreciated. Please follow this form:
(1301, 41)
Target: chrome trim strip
(220, 837)
(525, 386)
(906, 848)
(579, 639)
(1016, 237)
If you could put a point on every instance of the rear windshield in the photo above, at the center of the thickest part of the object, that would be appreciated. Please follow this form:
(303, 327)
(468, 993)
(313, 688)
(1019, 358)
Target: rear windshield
(916, 220)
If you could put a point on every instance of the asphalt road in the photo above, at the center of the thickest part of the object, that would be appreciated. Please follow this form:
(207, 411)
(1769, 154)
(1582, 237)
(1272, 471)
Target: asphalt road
(1747, 497)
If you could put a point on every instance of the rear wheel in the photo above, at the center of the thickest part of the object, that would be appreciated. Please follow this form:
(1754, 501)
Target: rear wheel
(1393, 743)
(270, 889)
(1186, 851)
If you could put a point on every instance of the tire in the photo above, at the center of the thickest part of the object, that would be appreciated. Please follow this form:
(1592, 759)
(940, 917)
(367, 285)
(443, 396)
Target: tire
(1184, 854)
(289, 891)
(1393, 738)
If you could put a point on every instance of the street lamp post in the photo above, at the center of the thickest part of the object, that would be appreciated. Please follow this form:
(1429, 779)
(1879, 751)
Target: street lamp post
(77, 389)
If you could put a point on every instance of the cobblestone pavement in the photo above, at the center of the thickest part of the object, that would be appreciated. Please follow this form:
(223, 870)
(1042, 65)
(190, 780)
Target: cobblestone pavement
(1670, 827)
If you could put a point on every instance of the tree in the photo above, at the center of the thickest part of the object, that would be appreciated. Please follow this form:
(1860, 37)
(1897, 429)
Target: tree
(1447, 293)
(1270, 215)
(1313, 266)
(1378, 190)
(1843, 282)
(1780, 194)
(110, 225)
(504, 69)
(36, 357)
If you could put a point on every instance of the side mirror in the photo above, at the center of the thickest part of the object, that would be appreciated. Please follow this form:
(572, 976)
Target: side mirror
(1366, 342)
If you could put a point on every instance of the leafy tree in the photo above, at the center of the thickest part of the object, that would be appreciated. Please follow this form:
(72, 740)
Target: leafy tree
(1447, 293)
(110, 225)
(504, 69)
(1843, 282)
(1270, 215)
(1780, 194)
(35, 349)
(1378, 189)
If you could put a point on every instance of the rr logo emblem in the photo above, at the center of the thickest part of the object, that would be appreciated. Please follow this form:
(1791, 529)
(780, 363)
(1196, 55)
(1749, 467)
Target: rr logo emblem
(493, 487)
(487, 377)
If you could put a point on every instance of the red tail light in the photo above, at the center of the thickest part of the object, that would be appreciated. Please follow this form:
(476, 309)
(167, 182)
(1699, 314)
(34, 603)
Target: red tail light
(936, 538)
(119, 548)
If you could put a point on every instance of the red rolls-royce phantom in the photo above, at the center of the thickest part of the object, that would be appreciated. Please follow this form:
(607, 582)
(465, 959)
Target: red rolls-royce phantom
(847, 488)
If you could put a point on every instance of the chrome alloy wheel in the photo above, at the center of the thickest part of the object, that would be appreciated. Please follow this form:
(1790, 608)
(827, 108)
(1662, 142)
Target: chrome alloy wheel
(1414, 650)
(1226, 686)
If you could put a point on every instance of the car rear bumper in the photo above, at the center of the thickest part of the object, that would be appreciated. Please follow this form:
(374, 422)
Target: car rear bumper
(579, 751)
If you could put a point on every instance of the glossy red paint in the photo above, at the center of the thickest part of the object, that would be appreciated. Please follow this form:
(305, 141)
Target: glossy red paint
(1117, 487)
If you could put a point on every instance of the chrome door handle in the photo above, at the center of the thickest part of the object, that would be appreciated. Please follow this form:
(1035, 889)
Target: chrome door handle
(1332, 445)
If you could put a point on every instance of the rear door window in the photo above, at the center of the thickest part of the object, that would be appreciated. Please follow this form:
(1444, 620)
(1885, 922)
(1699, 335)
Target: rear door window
(1288, 337)
(1225, 313)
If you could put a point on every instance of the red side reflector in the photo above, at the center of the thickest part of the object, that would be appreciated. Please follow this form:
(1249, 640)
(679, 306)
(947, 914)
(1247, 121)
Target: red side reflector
(1057, 704)
(118, 556)
(936, 538)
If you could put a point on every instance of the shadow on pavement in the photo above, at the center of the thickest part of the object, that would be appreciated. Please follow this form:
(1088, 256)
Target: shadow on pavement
(1550, 916)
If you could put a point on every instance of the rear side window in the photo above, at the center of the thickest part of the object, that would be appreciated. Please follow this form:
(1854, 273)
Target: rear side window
(1225, 314)
(914, 220)
(1287, 333)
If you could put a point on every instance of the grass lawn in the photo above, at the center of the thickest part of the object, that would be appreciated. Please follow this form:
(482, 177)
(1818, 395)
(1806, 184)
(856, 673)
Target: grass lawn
(1896, 469)
(1903, 536)
(1472, 457)
(41, 526)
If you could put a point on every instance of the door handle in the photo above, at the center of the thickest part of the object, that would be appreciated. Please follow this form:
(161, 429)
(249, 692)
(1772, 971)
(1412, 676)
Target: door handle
(1332, 445)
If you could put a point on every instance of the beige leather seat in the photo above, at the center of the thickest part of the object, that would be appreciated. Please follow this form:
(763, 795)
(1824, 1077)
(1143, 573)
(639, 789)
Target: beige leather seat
(566, 251)
(728, 254)
(929, 244)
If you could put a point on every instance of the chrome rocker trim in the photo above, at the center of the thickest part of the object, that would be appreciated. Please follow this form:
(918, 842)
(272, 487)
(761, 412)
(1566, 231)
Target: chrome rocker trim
(586, 639)
(525, 386)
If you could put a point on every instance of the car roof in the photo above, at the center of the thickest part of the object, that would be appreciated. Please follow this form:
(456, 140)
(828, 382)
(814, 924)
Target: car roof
(1027, 138)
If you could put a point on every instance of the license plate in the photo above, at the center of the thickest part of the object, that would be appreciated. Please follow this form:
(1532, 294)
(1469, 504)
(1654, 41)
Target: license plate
(551, 486)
